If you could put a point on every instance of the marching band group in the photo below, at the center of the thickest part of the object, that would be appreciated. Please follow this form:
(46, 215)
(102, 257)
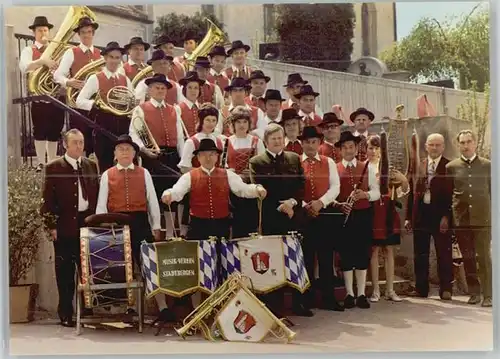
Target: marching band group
(234, 141)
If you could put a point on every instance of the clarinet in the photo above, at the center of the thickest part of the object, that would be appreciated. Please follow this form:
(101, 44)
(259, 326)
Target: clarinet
(350, 199)
(224, 153)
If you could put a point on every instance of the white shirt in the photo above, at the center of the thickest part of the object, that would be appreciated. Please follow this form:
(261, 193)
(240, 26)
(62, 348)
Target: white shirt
(187, 151)
(91, 87)
(62, 72)
(357, 134)
(306, 116)
(235, 70)
(470, 159)
(219, 98)
(238, 143)
(236, 185)
(26, 57)
(317, 109)
(373, 185)
(333, 177)
(215, 73)
(287, 141)
(83, 204)
(261, 124)
(269, 120)
(436, 163)
(152, 201)
(138, 112)
(141, 90)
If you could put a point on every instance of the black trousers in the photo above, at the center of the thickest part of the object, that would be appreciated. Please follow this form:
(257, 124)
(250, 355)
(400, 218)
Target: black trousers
(48, 121)
(319, 241)
(163, 178)
(104, 147)
(201, 228)
(356, 243)
(245, 216)
(140, 230)
(88, 134)
(67, 259)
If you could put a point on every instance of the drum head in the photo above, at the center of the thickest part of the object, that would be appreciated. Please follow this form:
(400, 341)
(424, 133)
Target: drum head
(97, 220)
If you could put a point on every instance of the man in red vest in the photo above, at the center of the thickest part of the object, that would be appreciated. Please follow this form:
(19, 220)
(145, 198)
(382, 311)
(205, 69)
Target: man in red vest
(100, 84)
(272, 105)
(358, 187)
(238, 53)
(292, 125)
(209, 92)
(258, 82)
(166, 44)
(330, 126)
(72, 61)
(136, 50)
(48, 120)
(165, 125)
(217, 57)
(322, 186)
(209, 189)
(362, 118)
(127, 188)
(307, 105)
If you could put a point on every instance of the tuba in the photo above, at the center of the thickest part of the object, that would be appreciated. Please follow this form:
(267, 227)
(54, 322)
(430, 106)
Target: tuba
(398, 147)
(141, 75)
(210, 308)
(214, 36)
(119, 101)
(83, 74)
(144, 133)
(40, 81)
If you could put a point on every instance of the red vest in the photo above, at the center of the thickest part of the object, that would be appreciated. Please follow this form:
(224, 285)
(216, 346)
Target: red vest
(176, 72)
(37, 53)
(106, 84)
(317, 120)
(220, 80)
(285, 105)
(245, 73)
(317, 174)
(189, 117)
(162, 123)
(209, 194)
(330, 151)
(126, 190)
(253, 101)
(350, 178)
(254, 116)
(171, 97)
(131, 70)
(80, 59)
(207, 93)
(381, 211)
(294, 147)
(194, 162)
(238, 159)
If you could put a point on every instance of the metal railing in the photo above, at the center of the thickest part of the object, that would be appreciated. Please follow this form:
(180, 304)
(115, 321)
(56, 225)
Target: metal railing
(27, 139)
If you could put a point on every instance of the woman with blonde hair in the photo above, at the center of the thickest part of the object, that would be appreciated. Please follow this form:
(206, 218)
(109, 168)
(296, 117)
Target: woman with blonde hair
(386, 224)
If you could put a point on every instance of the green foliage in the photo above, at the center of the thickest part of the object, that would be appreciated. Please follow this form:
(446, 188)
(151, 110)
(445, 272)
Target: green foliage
(176, 26)
(26, 225)
(316, 35)
(436, 50)
(477, 113)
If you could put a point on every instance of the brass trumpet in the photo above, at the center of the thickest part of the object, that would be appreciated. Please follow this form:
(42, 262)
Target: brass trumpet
(197, 319)
(350, 201)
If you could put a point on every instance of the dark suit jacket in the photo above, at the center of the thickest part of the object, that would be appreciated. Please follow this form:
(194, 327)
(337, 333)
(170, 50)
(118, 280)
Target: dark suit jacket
(60, 195)
(471, 188)
(420, 214)
(282, 181)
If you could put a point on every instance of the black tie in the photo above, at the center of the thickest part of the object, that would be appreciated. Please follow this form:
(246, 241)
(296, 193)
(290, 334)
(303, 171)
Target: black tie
(81, 179)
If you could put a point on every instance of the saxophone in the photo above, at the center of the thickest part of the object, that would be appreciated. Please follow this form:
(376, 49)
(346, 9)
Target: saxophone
(40, 81)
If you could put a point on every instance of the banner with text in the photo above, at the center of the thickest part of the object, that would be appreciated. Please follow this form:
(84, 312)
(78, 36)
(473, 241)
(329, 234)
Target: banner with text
(178, 268)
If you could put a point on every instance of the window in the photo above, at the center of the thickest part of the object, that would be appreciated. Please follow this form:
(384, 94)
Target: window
(270, 13)
(208, 9)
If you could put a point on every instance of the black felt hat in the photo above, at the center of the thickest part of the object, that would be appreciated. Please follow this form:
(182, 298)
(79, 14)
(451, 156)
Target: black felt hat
(202, 61)
(238, 44)
(330, 117)
(258, 74)
(362, 111)
(293, 79)
(238, 83)
(347, 136)
(162, 40)
(218, 51)
(113, 46)
(40, 21)
(290, 114)
(207, 144)
(310, 132)
(86, 21)
(137, 40)
(191, 76)
(126, 139)
(158, 78)
(307, 90)
(272, 94)
(159, 55)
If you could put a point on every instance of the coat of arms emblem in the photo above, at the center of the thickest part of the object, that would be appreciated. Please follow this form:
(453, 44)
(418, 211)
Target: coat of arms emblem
(260, 262)
(243, 322)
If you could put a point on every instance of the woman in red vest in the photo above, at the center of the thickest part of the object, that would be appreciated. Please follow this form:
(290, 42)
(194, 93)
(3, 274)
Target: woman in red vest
(292, 123)
(386, 226)
(238, 149)
(189, 106)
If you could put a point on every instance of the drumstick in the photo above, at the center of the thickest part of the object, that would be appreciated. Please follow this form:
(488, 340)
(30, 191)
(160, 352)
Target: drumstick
(259, 205)
(173, 221)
